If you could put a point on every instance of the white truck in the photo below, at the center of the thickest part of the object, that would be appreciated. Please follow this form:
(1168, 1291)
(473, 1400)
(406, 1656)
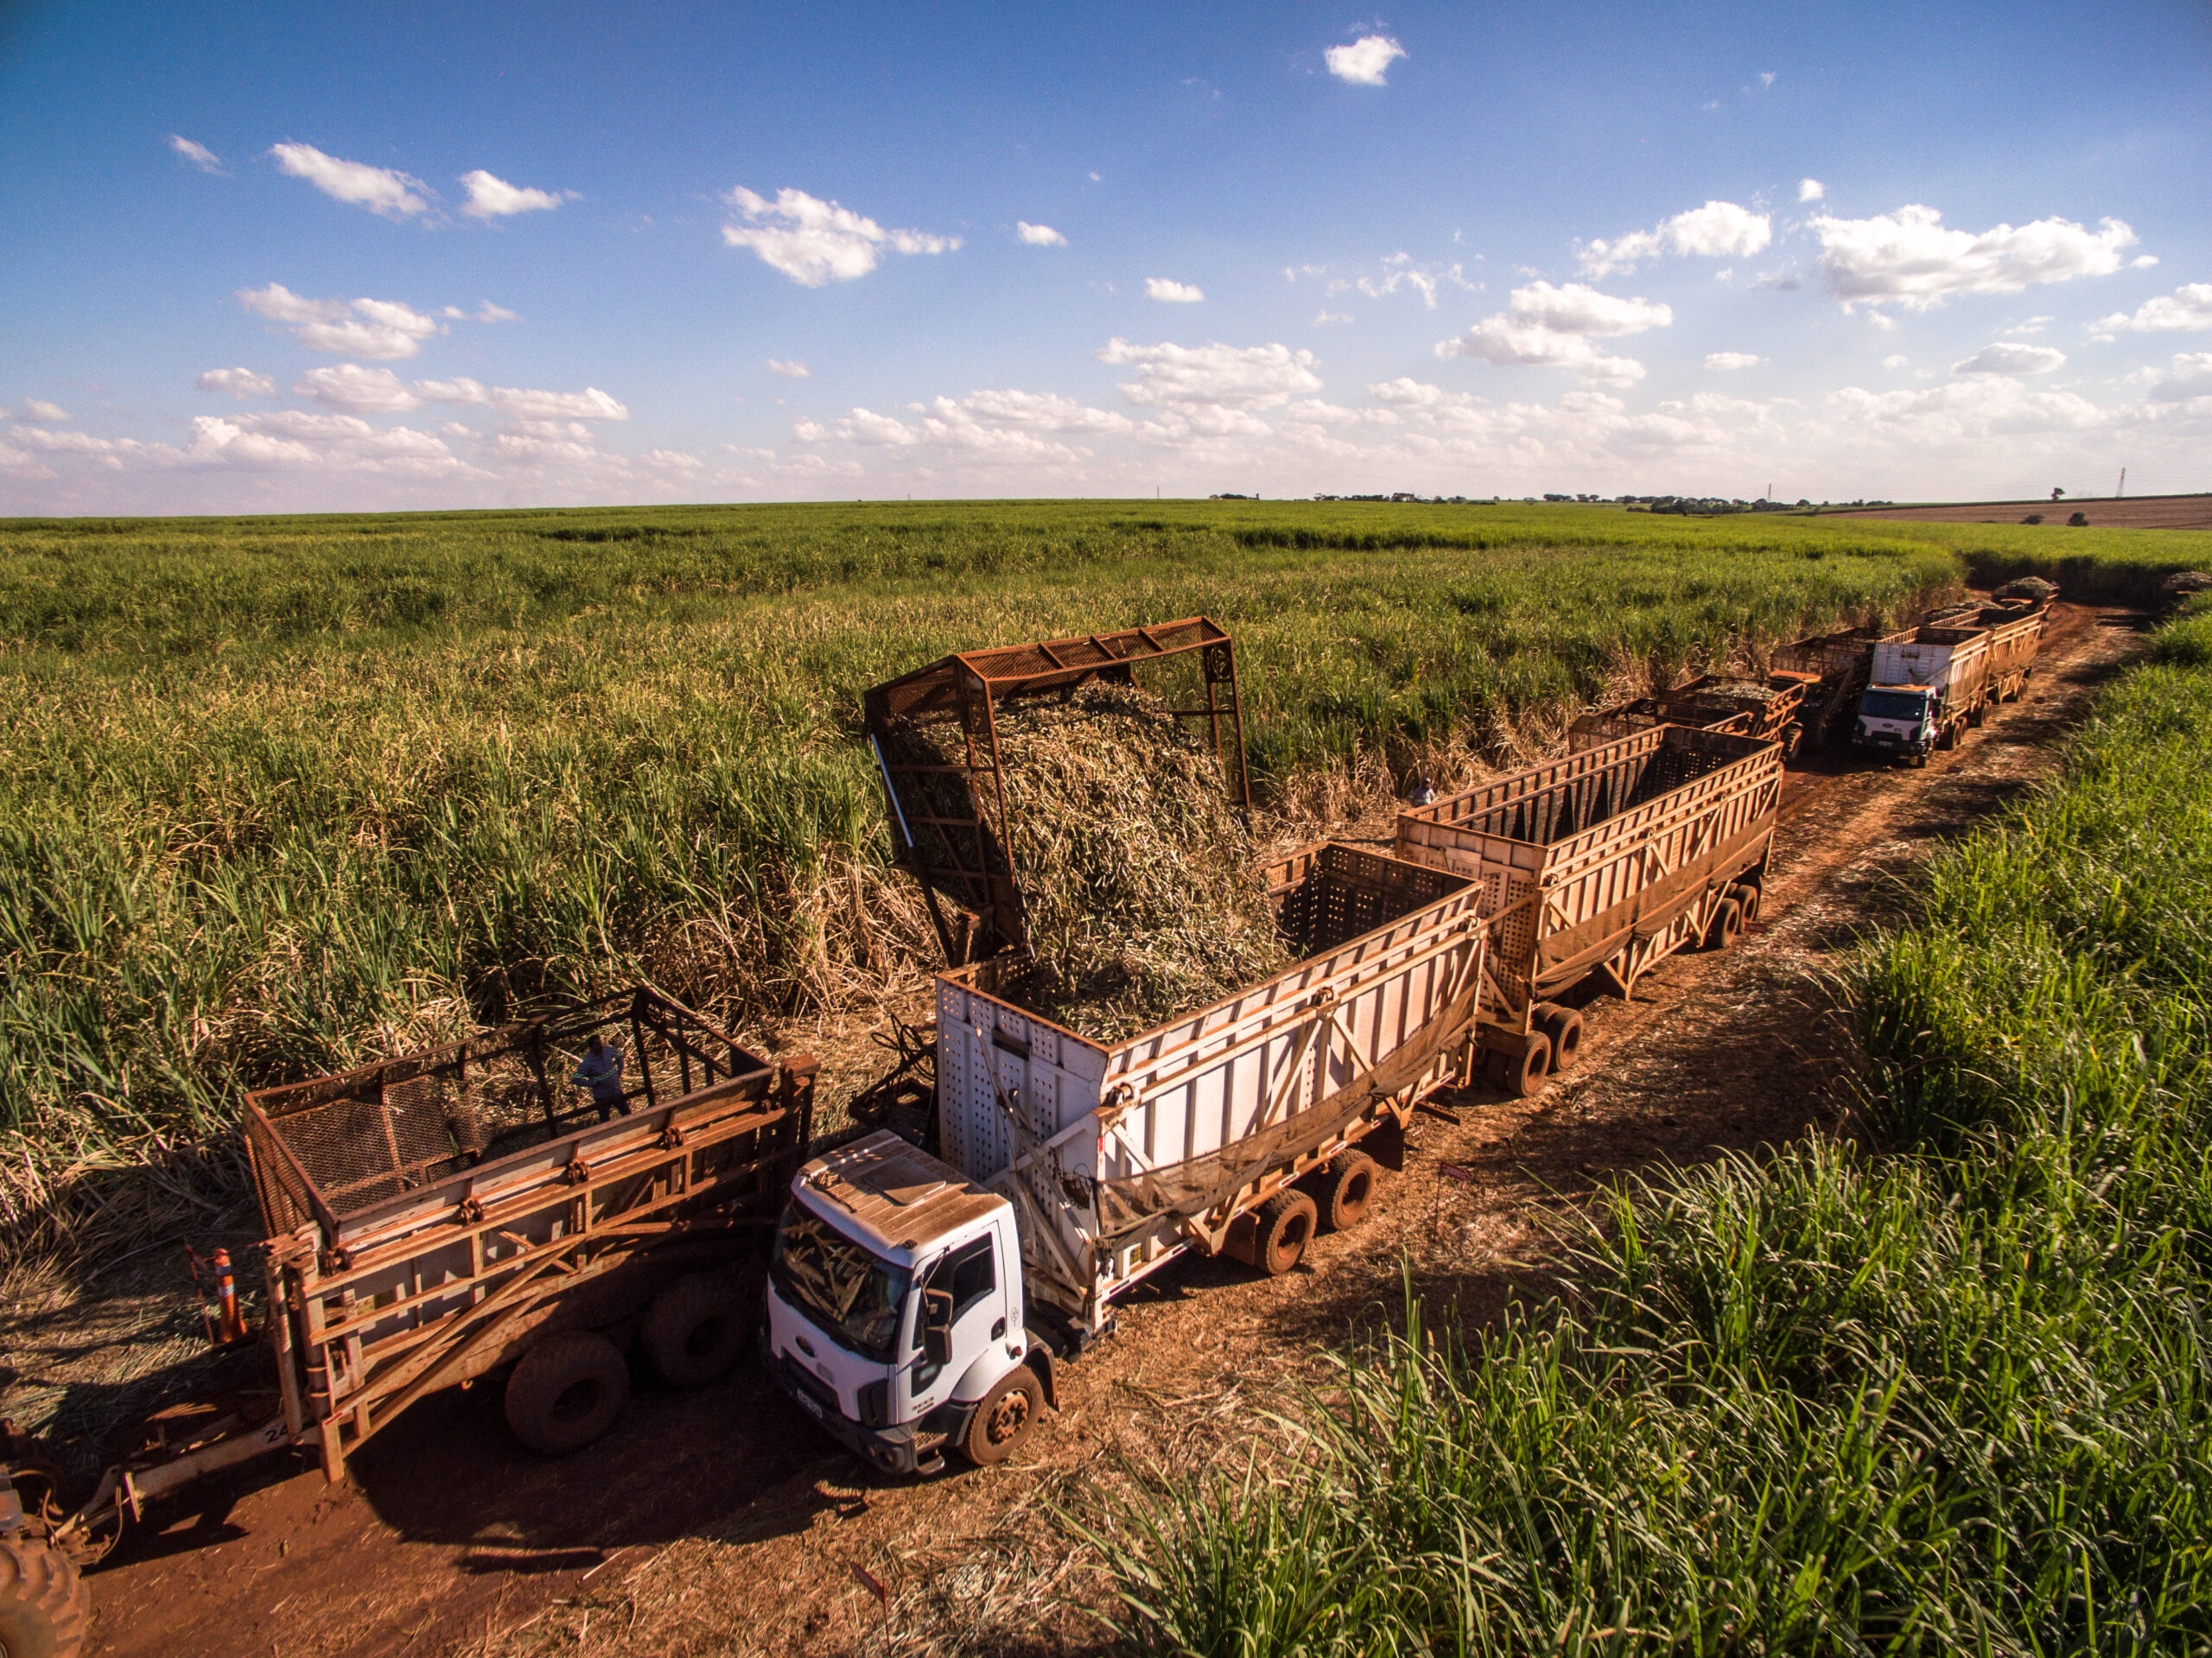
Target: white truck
(916, 1303)
(1928, 687)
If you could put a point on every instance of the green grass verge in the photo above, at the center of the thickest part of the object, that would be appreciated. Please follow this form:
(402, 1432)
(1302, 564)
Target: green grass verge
(1954, 1399)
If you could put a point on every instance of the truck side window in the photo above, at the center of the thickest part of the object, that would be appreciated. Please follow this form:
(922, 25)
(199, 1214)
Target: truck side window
(968, 1274)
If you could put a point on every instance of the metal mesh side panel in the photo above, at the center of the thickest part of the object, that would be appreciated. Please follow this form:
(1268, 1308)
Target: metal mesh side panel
(1348, 892)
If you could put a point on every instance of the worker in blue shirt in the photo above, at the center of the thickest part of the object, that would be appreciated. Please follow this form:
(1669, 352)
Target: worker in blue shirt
(601, 1072)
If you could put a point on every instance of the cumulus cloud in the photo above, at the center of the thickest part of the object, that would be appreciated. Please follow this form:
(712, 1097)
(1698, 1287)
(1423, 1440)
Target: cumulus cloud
(1038, 235)
(790, 369)
(1173, 293)
(814, 242)
(1732, 360)
(1185, 378)
(240, 383)
(992, 428)
(2009, 357)
(1545, 326)
(2192, 378)
(1365, 61)
(2188, 309)
(590, 403)
(381, 330)
(199, 154)
(1719, 230)
(1811, 190)
(490, 197)
(380, 189)
(1897, 361)
(1909, 258)
(348, 385)
(40, 410)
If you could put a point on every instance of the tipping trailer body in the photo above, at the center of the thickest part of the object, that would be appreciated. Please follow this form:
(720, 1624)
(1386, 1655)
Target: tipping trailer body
(432, 1218)
(1723, 702)
(934, 734)
(1605, 861)
(1072, 1168)
(1839, 664)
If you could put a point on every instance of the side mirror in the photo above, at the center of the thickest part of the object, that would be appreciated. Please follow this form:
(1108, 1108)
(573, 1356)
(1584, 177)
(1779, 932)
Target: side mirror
(936, 1326)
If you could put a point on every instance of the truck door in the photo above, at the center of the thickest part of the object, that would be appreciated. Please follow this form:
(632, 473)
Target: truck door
(966, 1289)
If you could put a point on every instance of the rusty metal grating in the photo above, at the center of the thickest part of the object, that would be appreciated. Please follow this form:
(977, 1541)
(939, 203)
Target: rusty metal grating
(335, 1147)
(1331, 894)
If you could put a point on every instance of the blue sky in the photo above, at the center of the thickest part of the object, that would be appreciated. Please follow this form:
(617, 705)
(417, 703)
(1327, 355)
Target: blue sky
(275, 257)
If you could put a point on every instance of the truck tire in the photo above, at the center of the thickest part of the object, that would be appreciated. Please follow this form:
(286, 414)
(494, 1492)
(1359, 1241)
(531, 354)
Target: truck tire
(1747, 899)
(1563, 1028)
(695, 1329)
(45, 1608)
(566, 1391)
(1726, 925)
(1004, 1418)
(1521, 1075)
(1282, 1227)
(1347, 1185)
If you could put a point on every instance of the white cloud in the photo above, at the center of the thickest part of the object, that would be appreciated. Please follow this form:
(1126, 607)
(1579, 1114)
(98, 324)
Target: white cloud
(348, 385)
(239, 383)
(813, 241)
(590, 403)
(381, 330)
(199, 154)
(1766, 78)
(379, 190)
(1897, 361)
(1402, 270)
(992, 428)
(1717, 229)
(2188, 309)
(488, 312)
(1364, 60)
(1811, 190)
(790, 369)
(1325, 316)
(2192, 378)
(490, 197)
(1732, 360)
(1038, 235)
(2142, 262)
(1545, 326)
(1908, 257)
(40, 410)
(2008, 357)
(1405, 392)
(1186, 378)
(1173, 293)
(2034, 325)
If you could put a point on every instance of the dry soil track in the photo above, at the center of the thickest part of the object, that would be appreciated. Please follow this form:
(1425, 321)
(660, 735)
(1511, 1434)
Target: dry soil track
(719, 1522)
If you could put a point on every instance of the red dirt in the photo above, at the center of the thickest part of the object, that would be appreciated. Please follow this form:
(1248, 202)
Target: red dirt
(2107, 512)
(718, 1521)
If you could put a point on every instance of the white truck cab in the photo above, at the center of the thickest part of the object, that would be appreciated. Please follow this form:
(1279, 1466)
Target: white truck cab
(1900, 719)
(895, 1309)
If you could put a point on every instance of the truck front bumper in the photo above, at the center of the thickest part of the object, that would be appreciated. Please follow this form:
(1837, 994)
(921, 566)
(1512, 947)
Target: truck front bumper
(892, 1450)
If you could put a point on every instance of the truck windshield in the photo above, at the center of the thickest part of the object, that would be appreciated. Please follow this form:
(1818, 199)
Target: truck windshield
(1892, 705)
(855, 1297)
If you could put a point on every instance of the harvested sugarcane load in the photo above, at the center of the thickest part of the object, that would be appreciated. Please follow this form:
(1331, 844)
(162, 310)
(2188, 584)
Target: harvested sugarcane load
(1079, 819)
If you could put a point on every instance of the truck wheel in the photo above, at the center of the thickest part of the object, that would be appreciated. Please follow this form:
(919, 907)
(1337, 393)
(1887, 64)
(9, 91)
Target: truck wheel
(1282, 1227)
(1522, 1075)
(1346, 1187)
(1726, 925)
(1004, 1418)
(566, 1391)
(1747, 899)
(1563, 1028)
(44, 1605)
(695, 1329)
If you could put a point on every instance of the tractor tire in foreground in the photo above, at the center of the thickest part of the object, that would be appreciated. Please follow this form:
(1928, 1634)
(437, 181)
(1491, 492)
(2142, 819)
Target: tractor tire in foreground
(45, 1609)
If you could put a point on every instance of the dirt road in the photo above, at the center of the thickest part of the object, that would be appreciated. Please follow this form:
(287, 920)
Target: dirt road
(719, 1522)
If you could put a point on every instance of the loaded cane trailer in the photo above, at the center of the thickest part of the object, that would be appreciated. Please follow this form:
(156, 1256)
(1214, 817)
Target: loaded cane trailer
(1604, 863)
(1767, 709)
(916, 1303)
(435, 1218)
(1839, 664)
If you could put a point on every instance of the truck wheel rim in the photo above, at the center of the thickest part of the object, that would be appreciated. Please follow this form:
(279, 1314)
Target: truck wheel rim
(1008, 1417)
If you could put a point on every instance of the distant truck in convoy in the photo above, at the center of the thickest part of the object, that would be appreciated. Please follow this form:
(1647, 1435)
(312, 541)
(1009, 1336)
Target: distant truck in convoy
(1928, 687)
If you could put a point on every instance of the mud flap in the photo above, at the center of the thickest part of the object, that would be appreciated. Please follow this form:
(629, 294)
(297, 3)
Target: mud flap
(1387, 1145)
